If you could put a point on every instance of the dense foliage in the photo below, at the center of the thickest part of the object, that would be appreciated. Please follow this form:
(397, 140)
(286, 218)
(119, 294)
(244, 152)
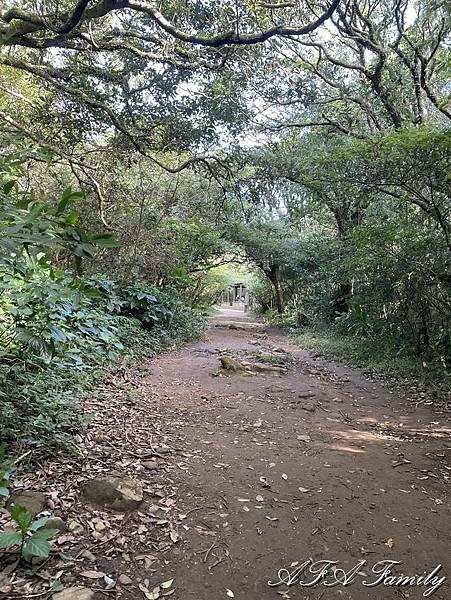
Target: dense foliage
(58, 328)
(373, 257)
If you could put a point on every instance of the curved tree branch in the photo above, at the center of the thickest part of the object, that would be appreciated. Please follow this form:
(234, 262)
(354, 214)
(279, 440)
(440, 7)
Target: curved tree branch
(75, 19)
(26, 24)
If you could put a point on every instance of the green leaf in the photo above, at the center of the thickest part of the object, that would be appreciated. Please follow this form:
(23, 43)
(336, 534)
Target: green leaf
(57, 586)
(105, 240)
(10, 539)
(84, 250)
(45, 534)
(68, 196)
(41, 347)
(4, 492)
(38, 523)
(57, 334)
(8, 186)
(22, 517)
(36, 548)
(37, 544)
(72, 218)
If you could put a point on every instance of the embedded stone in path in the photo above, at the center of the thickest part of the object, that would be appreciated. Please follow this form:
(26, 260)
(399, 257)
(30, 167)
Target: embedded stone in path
(240, 325)
(231, 364)
(152, 465)
(75, 593)
(34, 502)
(56, 523)
(262, 368)
(116, 493)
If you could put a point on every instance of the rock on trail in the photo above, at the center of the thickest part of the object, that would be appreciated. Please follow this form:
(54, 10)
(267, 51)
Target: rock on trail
(74, 593)
(33, 501)
(115, 493)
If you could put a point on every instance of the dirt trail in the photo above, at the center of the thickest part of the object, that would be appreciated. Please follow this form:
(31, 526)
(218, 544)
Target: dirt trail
(346, 472)
(256, 473)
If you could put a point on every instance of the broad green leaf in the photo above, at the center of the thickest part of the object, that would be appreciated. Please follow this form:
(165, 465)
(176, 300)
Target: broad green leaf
(57, 586)
(44, 534)
(105, 240)
(8, 540)
(68, 196)
(22, 517)
(72, 218)
(57, 334)
(84, 250)
(37, 544)
(38, 523)
(8, 186)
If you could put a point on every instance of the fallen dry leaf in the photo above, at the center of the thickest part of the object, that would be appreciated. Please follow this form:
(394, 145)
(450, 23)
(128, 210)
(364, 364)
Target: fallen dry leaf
(92, 574)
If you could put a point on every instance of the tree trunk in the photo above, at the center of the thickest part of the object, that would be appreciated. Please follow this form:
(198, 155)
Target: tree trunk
(341, 295)
(274, 279)
(347, 217)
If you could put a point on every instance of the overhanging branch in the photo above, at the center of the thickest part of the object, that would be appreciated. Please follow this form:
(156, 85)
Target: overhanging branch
(20, 26)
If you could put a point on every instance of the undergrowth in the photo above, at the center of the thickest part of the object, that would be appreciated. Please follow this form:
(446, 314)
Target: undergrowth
(377, 356)
(383, 356)
(60, 331)
(40, 399)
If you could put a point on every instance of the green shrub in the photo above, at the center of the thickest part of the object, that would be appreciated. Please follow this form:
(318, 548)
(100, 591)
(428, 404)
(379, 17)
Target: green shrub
(30, 537)
(382, 356)
(59, 331)
(71, 339)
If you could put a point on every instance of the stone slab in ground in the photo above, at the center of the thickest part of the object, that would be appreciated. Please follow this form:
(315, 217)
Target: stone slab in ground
(56, 523)
(240, 325)
(75, 593)
(34, 502)
(116, 493)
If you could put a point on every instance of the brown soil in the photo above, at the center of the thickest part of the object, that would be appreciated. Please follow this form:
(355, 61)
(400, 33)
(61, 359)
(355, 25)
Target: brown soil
(260, 471)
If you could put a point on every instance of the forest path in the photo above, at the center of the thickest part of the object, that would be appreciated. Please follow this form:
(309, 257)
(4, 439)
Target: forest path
(320, 463)
(251, 473)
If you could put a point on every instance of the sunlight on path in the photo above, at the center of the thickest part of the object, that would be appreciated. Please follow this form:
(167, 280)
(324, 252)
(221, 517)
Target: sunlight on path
(232, 313)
